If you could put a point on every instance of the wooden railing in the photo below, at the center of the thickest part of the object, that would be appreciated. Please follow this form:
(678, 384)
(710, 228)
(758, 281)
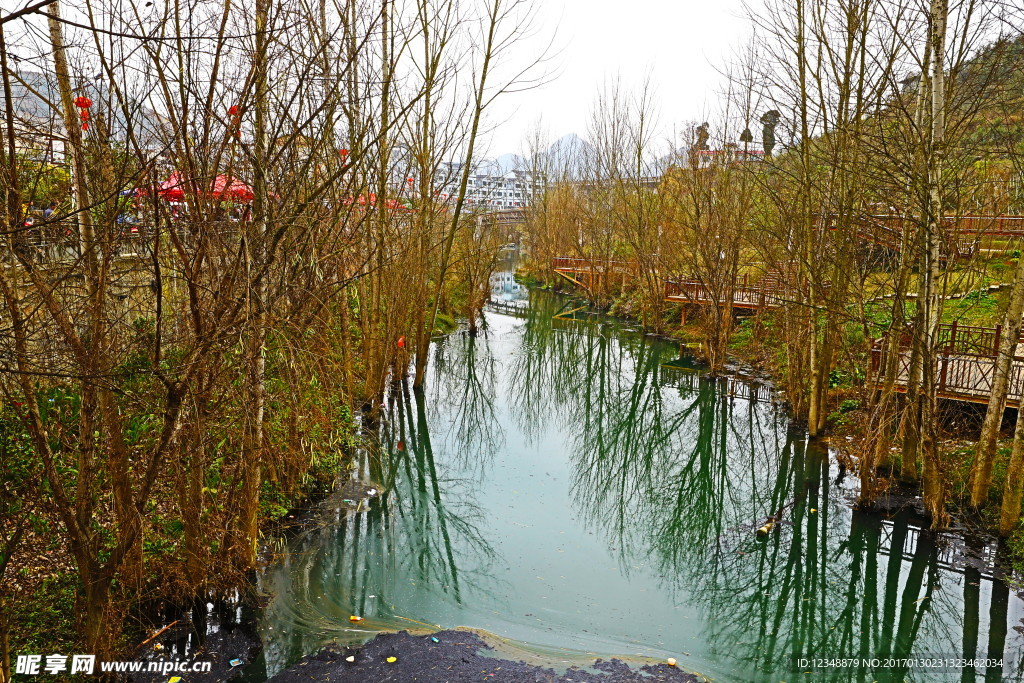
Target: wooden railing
(744, 295)
(882, 233)
(1012, 226)
(963, 376)
(60, 241)
(963, 233)
(964, 367)
(982, 341)
(954, 338)
(999, 226)
(506, 216)
(572, 264)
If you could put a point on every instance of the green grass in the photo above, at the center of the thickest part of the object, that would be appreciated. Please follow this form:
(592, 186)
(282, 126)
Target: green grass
(43, 622)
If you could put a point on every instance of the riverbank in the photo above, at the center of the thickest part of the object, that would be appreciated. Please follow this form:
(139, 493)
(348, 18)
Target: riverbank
(454, 656)
(493, 541)
(756, 348)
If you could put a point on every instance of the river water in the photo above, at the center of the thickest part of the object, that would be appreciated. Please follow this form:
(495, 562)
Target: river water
(571, 486)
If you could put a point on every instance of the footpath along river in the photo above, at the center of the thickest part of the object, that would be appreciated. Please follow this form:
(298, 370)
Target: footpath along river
(561, 487)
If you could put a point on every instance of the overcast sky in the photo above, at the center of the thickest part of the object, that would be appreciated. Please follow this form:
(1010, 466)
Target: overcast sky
(678, 43)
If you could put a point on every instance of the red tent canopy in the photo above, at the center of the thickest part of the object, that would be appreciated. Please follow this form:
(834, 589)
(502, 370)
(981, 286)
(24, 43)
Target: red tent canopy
(222, 188)
(232, 189)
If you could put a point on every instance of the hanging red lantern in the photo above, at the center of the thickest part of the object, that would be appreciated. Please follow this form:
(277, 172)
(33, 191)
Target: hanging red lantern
(343, 153)
(410, 180)
(83, 104)
(236, 120)
(401, 342)
(400, 445)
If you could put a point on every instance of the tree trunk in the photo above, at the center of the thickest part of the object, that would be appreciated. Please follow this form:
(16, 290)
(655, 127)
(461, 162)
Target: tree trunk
(252, 453)
(981, 476)
(73, 149)
(1010, 514)
(934, 483)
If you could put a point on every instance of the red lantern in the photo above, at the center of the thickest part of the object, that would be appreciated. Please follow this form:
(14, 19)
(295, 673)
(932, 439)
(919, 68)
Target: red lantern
(400, 445)
(411, 180)
(83, 104)
(401, 342)
(236, 120)
(343, 153)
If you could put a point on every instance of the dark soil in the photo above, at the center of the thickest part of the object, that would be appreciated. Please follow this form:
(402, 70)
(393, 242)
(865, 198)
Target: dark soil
(227, 642)
(457, 656)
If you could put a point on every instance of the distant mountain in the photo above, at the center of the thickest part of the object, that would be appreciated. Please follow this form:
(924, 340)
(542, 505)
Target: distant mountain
(509, 162)
(569, 157)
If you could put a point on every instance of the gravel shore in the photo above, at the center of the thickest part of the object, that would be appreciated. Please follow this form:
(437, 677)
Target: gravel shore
(456, 656)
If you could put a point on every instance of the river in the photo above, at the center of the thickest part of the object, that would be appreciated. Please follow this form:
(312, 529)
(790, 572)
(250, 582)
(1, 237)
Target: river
(571, 486)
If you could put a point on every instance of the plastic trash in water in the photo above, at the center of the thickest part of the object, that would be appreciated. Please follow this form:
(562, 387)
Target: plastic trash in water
(174, 679)
(354, 619)
(434, 640)
(235, 662)
(671, 661)
(351, 659)
(391, 660)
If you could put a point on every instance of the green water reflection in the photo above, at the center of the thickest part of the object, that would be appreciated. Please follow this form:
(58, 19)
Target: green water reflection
(558, 485)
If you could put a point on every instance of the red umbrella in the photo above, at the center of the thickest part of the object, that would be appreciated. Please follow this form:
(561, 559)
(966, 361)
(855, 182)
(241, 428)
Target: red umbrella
(232, 189)
(172, 189)
(223, 188)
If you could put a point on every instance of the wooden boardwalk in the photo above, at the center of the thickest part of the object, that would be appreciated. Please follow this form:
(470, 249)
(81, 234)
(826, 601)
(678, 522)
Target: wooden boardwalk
(504, 216)
(768, 292)
(887, 232)
(963, 234)
(513, 308)
(747, 295)
(965, 365)
(586, 272)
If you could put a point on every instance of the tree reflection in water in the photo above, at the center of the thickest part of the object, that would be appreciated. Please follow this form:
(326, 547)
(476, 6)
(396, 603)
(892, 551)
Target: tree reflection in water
(419, 541)
(560, 484)
(668, 466)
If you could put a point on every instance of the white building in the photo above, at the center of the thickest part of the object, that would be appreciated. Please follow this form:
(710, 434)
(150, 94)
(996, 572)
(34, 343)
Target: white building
(492, 187)
(511, 190)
